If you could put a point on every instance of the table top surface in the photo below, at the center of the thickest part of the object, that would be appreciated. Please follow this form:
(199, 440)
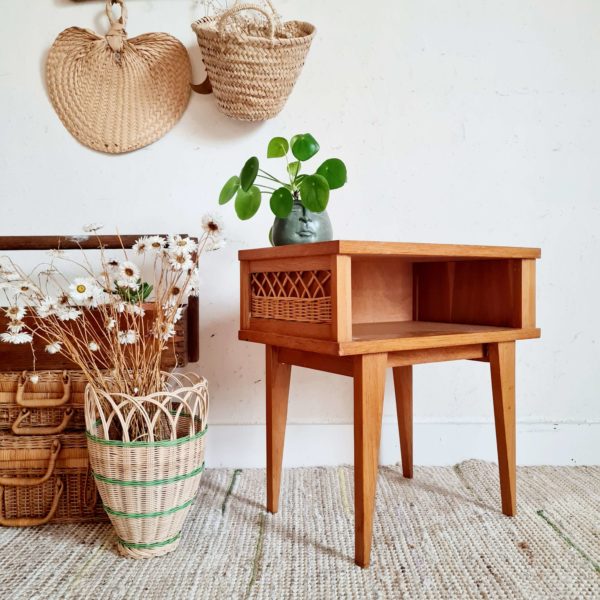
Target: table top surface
(407, 250)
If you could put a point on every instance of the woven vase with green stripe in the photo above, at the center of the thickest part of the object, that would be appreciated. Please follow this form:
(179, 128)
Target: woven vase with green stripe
(147, 456)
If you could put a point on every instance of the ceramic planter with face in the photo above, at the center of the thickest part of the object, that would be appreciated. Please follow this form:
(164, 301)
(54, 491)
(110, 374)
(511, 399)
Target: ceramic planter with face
(301, 227)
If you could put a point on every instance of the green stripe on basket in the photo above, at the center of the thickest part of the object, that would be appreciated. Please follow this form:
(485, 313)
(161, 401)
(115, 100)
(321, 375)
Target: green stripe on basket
(150, 545)
(159, 444)
(173, 479)
(162, 513)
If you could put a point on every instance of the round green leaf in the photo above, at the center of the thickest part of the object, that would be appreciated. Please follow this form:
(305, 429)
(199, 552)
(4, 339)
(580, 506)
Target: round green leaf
(282, 202)
(247, 202)
(277, 147)
(314, 192)
(249, 173)
(304, 146)
(229, 189)
(334, 170)
(293, 168)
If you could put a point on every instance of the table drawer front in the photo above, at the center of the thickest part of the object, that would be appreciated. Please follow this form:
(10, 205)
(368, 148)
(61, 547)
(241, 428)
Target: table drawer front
(299, 296)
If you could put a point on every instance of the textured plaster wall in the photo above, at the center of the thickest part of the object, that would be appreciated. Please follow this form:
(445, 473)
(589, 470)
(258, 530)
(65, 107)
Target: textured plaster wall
(460, 121)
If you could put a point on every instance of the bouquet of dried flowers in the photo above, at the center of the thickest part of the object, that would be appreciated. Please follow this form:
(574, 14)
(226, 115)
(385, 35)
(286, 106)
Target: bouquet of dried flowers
(113, 324)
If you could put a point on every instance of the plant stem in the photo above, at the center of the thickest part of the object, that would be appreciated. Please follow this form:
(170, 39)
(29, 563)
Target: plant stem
(269, 176)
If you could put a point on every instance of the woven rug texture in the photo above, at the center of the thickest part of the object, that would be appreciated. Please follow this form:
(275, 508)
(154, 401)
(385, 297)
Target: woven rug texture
(440, 535)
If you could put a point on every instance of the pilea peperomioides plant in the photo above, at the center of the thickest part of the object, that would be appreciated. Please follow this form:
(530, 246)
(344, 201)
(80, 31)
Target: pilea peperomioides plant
(312, 191)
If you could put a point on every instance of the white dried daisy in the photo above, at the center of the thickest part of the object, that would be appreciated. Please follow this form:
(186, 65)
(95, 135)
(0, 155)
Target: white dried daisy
(53, 348)
(135, 309)
(11, 275)
(93, 346)
(174, 294)
(56, 252)
(15, 326)
(156, 243)
(213, 224)
(15, 313)
(16, 338)
(68, 313)
(164, 331)
(23, 288)
(171, 313)
(141, 245)
(194, 283)
(99, 298)
(128, 275)
(179, 244)
(214, 243)
(92, 227)
(128, 337)
(110, 324)
(83, 289)
(48, 306)
(113, 265)
(180, 261)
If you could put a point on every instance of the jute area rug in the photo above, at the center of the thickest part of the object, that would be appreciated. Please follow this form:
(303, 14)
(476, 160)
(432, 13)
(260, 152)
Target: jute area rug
(440, 535)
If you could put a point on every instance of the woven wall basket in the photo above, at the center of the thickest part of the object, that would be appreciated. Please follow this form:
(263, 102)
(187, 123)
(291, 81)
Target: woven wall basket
(148, 483)
(113, 94)
(252, 72)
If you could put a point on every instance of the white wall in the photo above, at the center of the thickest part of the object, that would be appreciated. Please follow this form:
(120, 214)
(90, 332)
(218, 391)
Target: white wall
(467, 121)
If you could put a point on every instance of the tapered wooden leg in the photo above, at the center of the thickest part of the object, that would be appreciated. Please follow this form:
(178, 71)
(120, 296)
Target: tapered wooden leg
(502, 363)
(404, 407)
(278, 387)
(369, 384)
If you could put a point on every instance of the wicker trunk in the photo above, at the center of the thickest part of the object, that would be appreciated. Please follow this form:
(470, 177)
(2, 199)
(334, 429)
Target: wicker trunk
(54, 404)
(46, 479)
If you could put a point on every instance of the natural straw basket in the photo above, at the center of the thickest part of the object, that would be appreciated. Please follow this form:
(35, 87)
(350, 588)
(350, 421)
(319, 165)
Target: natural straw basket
(252, 75)
(113, 94)
(148, 484)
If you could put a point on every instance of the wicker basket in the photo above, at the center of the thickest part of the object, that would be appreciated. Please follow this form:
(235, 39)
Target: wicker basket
(252, 73)
(46, 479)
(147, 484)
(50, 406)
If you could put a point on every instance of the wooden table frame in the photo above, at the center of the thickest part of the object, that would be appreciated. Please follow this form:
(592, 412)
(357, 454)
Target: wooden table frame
(392, 305)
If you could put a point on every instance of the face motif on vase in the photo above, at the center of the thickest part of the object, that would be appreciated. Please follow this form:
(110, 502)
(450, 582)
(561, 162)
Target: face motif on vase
(302, 227)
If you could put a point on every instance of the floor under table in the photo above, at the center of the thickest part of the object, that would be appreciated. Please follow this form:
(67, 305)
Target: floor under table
(440, 535)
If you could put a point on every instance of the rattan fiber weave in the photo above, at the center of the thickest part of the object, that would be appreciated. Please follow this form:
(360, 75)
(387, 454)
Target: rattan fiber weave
(116, 94)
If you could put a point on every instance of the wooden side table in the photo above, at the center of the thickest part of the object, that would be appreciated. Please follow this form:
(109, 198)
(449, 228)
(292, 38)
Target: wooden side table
(356, 308)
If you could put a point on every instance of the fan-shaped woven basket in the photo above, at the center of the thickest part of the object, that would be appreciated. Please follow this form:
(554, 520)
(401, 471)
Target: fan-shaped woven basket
(116, 94)
(252, 70)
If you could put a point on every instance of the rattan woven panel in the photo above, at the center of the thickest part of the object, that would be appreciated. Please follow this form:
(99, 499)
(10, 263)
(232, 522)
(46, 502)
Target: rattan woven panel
(55, 401)
(302, 296)
(46, 479)
(79, 501)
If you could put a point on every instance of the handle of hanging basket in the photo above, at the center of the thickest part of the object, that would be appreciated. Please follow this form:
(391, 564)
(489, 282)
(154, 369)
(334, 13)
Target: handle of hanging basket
(29, 521)
(239, 8)
(44, 402)
(116, 34)
(19, 429)
(31, 481)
